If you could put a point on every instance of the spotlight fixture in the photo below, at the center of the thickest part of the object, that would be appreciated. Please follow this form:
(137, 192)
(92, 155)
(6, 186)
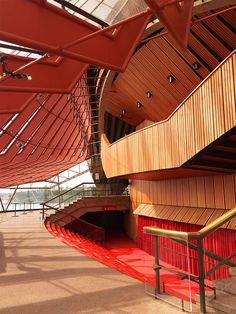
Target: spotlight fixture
(171, 78)
(20, 145)
(39, 96)
(196, 65)
(139, 105)
(149, 94)
(124, 111)
(121, 115)
(10, 73)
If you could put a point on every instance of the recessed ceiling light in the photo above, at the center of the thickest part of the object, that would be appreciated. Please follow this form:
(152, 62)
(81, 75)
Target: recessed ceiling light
(149, 94)
(171, 78)
(196, 65)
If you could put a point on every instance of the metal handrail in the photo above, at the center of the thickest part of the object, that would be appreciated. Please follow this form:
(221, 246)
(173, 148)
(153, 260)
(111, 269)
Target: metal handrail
(83, 193)
(96, 228)
(65, 192)
(183, 238)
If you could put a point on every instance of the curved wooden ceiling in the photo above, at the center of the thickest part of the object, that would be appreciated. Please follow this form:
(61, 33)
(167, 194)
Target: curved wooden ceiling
(211, 40)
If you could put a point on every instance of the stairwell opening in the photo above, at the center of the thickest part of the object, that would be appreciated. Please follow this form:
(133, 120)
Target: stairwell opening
(113, 222)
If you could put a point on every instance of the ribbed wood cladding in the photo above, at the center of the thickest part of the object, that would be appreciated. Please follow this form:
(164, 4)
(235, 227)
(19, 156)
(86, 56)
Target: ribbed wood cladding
(202, 192)
(203, 117)
(198, 200)
(191, 215)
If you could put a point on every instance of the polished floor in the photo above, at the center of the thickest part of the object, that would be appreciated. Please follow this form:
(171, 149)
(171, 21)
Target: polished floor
(39, 274)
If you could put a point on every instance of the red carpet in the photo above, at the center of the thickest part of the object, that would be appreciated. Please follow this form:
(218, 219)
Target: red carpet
(120, 253)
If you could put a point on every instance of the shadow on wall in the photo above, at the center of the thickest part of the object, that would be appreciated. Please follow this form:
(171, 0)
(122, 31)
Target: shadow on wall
(2, 255)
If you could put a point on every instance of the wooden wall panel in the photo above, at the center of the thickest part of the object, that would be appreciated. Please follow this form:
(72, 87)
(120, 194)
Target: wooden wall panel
(209, 191)
(202, 192)
(229, 186)
(144, 124)
(201, 198)
(219, 192)
(229, 87)
(204, 198)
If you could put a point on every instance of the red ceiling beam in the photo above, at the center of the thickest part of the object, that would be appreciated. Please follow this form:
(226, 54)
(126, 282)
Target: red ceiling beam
(176, 16)
(14, 102)
(51, 75)
(43, 26)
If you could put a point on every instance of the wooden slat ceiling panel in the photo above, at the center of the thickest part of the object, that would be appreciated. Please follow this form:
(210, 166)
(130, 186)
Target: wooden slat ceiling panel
(192, 215)
(210, 41)
(161, 72)
(174, 65)
(229, 17)
(152, 82)
(221, 30)
(200, 50)
(188, 56)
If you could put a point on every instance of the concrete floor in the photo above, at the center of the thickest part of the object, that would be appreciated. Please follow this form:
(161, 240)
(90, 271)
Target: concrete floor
(39, 274)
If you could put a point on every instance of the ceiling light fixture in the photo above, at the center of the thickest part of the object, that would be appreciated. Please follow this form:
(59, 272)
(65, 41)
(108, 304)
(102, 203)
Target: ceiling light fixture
(124, 111)
(13, 74)
(149, 94)
(171, 78)
(20, 145)
(139, 105)
(196, 65)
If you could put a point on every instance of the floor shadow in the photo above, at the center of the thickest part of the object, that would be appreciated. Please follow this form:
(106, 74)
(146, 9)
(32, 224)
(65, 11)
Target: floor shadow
(35, 274)
(103, 301)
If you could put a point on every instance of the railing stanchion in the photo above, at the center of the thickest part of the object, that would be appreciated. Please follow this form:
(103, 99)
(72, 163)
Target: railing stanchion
(24, 209)
(43, 212)
(201, 275)
(15, 210)
(157, 266)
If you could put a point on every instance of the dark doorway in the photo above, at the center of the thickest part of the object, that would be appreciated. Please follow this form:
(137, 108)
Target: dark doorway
(109, 220)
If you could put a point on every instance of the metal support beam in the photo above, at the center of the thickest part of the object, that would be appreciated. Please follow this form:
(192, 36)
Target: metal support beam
(157, 267)
(13, 194)
(201, 276)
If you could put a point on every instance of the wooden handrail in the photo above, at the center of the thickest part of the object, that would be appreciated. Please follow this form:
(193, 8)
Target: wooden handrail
(198, 235)
(216, 224)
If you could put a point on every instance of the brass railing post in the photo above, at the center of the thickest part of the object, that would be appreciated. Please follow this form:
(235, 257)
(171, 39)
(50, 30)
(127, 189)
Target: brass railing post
(201, 275)
(157, 266)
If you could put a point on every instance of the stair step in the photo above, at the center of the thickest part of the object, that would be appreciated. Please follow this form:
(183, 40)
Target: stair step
(232, 271)
(223, 302)
(226, 285)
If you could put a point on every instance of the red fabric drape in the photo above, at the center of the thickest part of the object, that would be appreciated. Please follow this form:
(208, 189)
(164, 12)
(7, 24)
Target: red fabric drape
(221, 242)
